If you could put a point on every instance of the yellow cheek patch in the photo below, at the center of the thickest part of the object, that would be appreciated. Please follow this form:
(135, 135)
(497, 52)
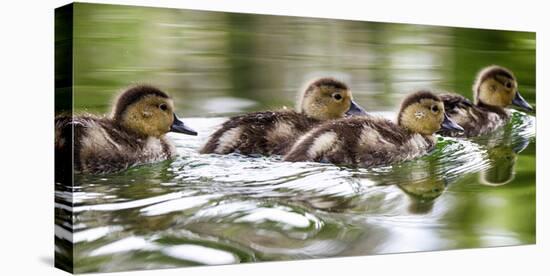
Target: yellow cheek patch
(419, 114)
(321, 105)
(420, 119)
(145, 116)
(493, 92)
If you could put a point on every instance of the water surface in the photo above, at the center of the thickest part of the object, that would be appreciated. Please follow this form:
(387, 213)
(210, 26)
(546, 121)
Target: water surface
(222, 209)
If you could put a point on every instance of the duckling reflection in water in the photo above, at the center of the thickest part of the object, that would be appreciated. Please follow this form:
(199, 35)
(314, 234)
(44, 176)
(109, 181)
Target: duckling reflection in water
(495, 89)
(274, 132)
(134, 133)
(503, 148)
(423, 188)
(426, 188)
(372, 141)
(422, 180)
(501, 170)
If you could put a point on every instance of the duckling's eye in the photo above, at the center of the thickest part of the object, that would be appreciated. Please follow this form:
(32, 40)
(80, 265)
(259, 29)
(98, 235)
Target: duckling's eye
(435, 109)
(508, 84)
(163, 107)
(337, 96)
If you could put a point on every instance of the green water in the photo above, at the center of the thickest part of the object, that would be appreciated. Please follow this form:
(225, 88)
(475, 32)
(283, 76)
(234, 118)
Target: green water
(210, 209)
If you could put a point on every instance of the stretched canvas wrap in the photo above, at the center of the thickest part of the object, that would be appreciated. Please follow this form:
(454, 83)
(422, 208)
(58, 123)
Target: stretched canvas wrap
(361, 138)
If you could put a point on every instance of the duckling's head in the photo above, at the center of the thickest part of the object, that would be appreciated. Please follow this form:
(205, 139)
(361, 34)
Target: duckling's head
(148, 111)
(424, 112)
(497, 86)
(328, 98)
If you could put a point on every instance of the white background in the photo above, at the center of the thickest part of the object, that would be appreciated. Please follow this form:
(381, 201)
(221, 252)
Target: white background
(26, 133)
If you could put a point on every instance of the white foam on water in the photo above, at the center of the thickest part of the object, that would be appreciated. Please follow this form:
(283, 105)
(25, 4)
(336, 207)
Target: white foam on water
(131, 204)
(94, 233)
(125, 245)
(276, 215)
(176, 205)
(200, 254)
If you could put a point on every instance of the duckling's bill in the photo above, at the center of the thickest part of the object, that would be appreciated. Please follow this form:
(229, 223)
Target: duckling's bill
(179, 127)
(355, 110)
(521, 102)
(449, 124)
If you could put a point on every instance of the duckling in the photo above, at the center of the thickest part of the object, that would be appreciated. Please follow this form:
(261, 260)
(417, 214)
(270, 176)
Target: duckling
(373, 141)
(274, 132)
(495, 88)
(133, 134)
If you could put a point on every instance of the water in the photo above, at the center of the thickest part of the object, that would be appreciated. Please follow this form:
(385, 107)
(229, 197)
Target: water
(212, 209)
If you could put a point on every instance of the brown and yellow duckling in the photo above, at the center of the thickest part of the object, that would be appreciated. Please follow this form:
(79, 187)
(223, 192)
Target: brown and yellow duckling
(495, 89)
(373, 141)
(133, 134)
(274, 132)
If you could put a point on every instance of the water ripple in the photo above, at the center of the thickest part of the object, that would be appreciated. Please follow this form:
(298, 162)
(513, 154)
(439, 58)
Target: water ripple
(222, 209)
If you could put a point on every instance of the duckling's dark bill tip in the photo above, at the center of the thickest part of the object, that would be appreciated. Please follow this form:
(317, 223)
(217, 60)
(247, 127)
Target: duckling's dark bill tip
(355, 110)
(183, 129)
(521, 102)
(179, 127)
(449, 124)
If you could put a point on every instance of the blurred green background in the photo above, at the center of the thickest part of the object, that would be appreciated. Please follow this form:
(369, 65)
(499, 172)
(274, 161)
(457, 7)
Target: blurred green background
(216, 63)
